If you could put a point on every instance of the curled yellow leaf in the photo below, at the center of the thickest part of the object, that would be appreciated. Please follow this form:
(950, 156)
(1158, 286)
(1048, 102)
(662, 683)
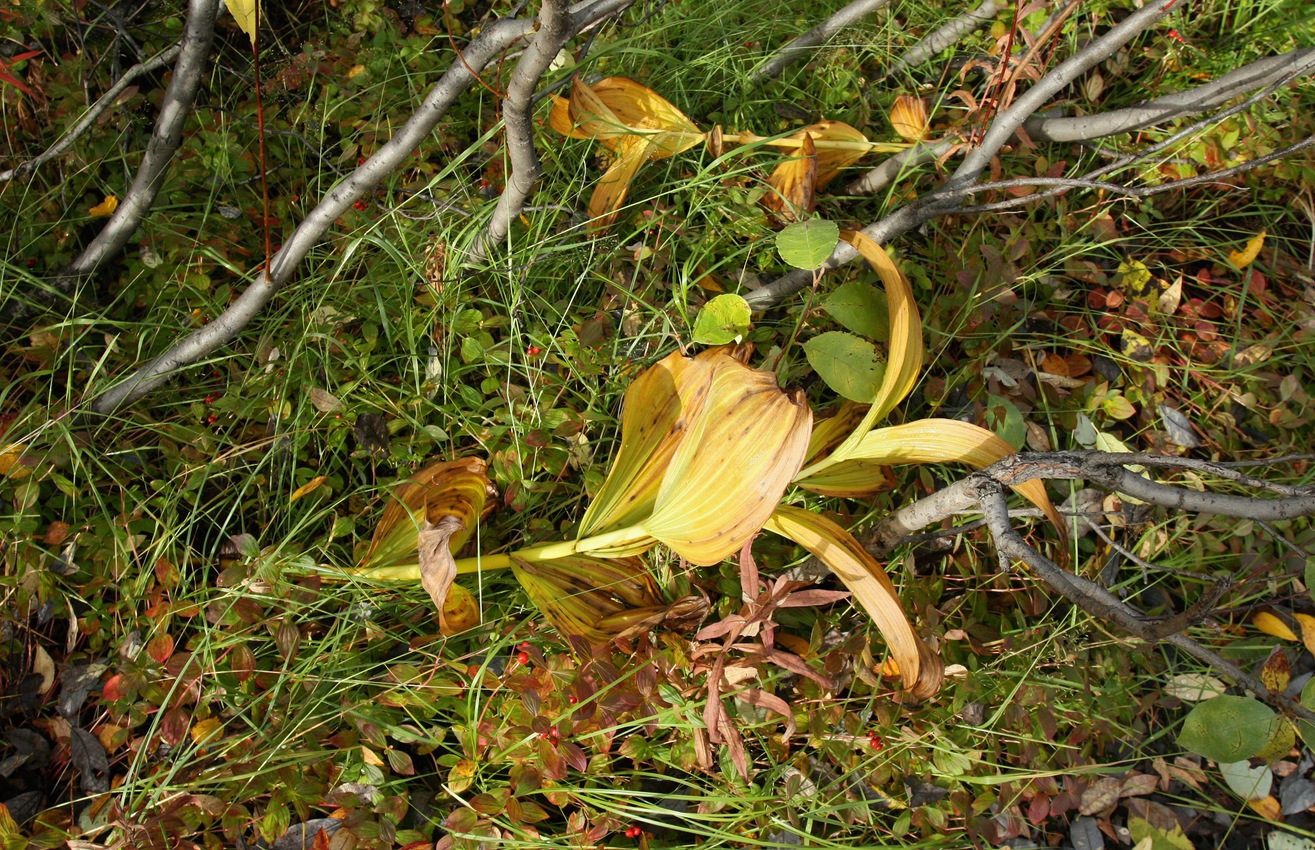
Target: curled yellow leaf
(586, 596)
(1270, 624)
(1248, 254)
(458, 488)
(105, 207)
(919, 666)
(908, 117)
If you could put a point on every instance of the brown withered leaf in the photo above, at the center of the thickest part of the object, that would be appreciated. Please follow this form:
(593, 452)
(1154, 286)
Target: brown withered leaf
(438, 569)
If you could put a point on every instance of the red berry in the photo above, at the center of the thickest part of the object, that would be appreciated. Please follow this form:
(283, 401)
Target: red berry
(31, 261)
(875, 742)
(522, 658)
(210, 399)
(633, 832)
(211, 419)
(533, 351)
(572, 699)
(359, 206)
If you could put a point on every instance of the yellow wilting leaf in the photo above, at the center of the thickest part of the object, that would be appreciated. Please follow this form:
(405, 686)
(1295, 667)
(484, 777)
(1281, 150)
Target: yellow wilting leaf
(458, 488)
(1307, 624)
(632, 121)
(1268, 808)
(1270, 624)
(245, 12)
(658, 408)
(460, 611)
(908, 117)
(920, 667)
(941, 441)
(578, 593)
(906, 351)
(825, 148)
(794, 185)
(1247, 255)
(309, 487)
(614, 185)
(105, 207)
(748, 421)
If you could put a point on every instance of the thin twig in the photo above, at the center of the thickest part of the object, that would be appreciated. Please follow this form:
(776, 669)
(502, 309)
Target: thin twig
(802, 47)
(104, 102)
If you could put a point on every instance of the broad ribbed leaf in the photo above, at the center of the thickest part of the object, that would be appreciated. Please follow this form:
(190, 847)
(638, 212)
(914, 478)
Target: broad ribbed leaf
(655, 414)
(458, 489)
(919, 666)
(577, 593)
(731, 469)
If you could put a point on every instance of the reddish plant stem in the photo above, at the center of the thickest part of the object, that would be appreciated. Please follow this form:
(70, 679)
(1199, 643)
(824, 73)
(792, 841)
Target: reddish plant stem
(260, 133)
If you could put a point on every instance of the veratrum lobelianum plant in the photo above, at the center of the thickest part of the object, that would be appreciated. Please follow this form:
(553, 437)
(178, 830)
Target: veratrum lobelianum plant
(709, 448)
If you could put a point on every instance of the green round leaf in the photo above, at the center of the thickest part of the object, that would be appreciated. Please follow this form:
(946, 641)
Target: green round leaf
(849, 365)
(862, 308)
(807, 244)
(723, 319)
(1228, 728)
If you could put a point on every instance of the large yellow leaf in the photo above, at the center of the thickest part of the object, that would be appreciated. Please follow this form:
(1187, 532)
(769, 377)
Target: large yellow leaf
(906, 348)
(794, 185)
(614, 185)
(646, 113)
(458, 489)
(908, 117)
(658, 408)
(919, 666)
(931, 441)
(733, 465)
(578, 592)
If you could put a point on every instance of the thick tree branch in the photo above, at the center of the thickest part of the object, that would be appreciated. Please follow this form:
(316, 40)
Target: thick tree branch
(518, 120)
(802, 47)
(168, 135)
(1259, 74)
(944, 37)
(93, 112)
(486, 47)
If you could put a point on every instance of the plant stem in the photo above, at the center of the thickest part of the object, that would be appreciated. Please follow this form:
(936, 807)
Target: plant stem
(633, 535)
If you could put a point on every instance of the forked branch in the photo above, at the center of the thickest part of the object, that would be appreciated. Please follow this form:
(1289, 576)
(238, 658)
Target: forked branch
(984, 492)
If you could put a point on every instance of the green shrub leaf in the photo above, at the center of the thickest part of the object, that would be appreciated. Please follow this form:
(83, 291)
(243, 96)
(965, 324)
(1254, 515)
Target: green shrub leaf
(849, 365)
(724, 319)
(1228, 728)
(862, 308)
(807, 244)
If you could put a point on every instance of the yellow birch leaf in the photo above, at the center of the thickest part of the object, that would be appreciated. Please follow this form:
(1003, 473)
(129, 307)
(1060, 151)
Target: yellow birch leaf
(371, 758)
(1247, 255)
(204, 731)
(1307, 623)
(1277, 671)
(1272, 625)
(908, 117)
(246, 13)
(308, 487)
(105, 207)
